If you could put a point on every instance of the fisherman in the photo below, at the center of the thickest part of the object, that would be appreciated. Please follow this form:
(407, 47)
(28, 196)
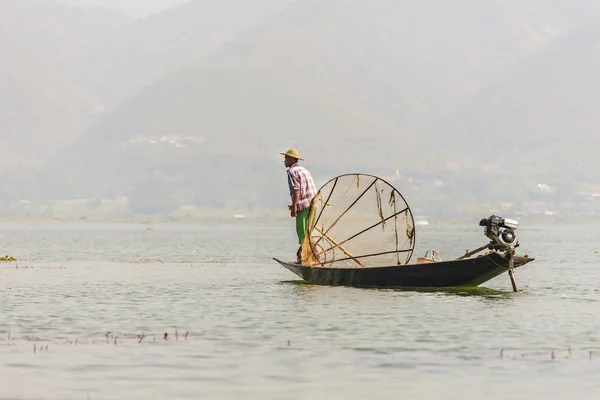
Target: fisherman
(302, 191)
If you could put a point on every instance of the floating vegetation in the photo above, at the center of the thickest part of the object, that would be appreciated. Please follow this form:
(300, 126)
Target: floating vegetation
(7, 259)
(147, 261)
(39, 344)
(109, 338)
(553, 355)
(26, 266)
(161, 261)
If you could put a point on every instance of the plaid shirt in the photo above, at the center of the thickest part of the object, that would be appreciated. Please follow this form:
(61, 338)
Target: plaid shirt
(300, 178)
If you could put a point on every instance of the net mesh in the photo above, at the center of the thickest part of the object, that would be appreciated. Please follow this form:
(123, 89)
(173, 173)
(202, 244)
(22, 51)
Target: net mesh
(358, 221)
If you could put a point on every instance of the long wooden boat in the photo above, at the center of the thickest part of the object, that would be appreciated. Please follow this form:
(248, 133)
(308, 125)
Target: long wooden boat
(361, 233)
(464, 273)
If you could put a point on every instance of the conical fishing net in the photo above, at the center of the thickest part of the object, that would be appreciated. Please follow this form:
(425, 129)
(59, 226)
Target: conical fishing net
(358, 221)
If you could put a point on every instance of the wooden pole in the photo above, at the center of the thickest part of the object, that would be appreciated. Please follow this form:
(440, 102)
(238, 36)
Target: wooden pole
(469, 254)
(511, 269)
(329, 238)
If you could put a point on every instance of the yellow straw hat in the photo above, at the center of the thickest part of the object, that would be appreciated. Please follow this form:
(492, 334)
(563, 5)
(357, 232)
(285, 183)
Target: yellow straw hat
(292, 153)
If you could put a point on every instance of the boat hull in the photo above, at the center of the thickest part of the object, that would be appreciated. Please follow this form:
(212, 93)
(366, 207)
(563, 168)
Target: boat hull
(464, 273)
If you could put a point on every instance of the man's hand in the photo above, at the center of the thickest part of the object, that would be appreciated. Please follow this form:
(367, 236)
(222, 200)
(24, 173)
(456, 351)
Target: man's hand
(293, 210)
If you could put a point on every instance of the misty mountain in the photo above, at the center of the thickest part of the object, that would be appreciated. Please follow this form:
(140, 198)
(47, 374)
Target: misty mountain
(136, 55)
(43, 104)
(535, 121)
(355, 86)
(356, 96)
(64, 67)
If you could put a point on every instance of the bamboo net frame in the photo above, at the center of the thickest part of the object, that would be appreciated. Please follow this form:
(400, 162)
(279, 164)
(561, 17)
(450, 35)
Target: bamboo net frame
(358, 221)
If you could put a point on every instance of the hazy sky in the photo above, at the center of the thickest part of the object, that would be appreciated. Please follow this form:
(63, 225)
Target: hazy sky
(135, 8)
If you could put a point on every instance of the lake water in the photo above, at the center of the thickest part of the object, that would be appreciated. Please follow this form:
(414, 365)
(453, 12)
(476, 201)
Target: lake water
(254, 332)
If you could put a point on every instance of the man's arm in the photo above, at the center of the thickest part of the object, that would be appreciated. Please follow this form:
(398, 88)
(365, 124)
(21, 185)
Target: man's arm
(294, 207)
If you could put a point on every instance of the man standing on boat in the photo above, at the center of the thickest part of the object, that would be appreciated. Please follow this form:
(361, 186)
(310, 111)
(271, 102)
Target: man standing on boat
(302, 190)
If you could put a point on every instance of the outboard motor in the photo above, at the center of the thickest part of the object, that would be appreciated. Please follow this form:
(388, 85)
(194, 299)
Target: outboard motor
(501, 231)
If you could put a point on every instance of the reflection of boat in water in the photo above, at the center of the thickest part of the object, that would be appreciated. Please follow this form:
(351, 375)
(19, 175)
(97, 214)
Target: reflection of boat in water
(361, 233)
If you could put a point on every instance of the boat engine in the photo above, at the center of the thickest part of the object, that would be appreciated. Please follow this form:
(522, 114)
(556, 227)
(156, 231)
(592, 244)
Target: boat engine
(501, 231)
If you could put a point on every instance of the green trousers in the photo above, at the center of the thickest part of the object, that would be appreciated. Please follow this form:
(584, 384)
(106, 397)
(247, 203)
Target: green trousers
(301, 224)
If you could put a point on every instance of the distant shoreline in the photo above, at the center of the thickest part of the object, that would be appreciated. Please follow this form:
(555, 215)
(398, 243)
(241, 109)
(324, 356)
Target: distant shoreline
(281, 220)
